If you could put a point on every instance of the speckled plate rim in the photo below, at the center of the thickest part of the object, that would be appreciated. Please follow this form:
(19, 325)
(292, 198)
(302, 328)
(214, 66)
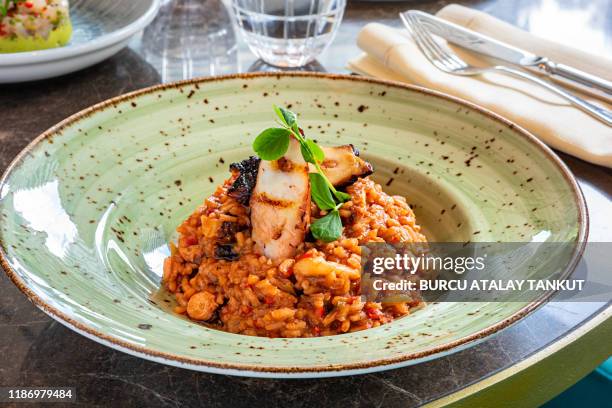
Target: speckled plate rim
(313, 371)
(106, 40)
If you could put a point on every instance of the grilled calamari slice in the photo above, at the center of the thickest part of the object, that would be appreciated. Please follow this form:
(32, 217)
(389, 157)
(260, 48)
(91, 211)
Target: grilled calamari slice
(280, 204)
(342, 165)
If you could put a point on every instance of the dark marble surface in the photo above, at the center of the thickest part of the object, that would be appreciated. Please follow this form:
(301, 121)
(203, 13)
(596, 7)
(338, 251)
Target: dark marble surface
(37, 351)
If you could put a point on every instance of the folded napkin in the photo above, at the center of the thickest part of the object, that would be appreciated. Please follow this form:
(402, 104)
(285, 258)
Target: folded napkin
(391, 54)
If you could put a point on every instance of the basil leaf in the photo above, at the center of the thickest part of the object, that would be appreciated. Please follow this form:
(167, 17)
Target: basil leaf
(272, 143)
(307, 153)
(341, 196)
(311, 151)
(280, 115)
(286, 116)
(317, 152)
(296, 129)
(328, 228)
(319, 191)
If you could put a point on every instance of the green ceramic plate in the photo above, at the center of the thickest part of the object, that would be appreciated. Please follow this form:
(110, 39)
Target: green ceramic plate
(86, 210)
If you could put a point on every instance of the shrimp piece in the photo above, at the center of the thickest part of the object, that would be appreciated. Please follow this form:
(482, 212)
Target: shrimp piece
(202, 306)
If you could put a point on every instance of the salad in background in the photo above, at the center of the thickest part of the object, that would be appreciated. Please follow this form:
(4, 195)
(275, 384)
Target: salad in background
(29, 25)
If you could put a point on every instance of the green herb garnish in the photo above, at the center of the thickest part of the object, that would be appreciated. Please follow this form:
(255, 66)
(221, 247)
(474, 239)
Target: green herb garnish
(5, 5)
(328, 228)
(320, 193)
(272, 144)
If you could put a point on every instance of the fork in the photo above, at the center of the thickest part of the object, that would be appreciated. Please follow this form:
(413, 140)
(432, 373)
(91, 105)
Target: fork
(447, 61)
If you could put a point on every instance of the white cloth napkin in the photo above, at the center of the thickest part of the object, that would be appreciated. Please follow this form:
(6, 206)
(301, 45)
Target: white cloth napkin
(391, 54)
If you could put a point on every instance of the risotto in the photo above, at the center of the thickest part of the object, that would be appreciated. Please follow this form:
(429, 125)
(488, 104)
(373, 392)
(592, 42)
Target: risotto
(251, 261)
(315, 293)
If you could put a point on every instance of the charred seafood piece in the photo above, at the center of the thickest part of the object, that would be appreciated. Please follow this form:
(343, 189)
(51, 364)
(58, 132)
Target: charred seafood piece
(243, 186)
(343, 166)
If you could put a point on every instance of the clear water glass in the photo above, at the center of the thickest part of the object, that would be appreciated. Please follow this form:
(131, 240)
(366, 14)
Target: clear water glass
(190, 38)
(288, 33)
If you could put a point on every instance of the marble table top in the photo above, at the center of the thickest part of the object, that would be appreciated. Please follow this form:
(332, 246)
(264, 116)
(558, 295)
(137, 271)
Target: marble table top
(37, 351)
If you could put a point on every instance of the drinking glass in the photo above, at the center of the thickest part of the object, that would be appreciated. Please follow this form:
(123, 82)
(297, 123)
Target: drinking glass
(190, 38)
(288, 33)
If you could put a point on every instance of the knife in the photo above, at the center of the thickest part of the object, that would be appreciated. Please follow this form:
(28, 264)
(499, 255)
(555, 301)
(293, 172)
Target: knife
(483, 44)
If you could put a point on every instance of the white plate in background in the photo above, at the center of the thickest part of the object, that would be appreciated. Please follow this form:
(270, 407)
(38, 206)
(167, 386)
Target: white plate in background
(101, 28)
